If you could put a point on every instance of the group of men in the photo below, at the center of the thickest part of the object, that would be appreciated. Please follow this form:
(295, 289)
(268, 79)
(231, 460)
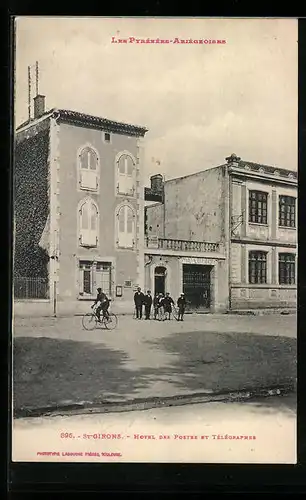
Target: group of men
(162, 305)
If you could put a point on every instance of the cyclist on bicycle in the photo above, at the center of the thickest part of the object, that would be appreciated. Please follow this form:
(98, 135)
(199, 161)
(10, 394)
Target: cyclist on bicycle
(103, 304)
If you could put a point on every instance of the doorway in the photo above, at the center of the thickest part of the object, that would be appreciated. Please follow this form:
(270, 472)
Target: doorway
(160, 280)
(197, 286)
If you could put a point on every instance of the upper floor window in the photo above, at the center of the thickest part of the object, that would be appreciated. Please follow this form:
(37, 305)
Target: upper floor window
(88, 169)
(126, 175)
(258, 204)
(286, 269)
(286, 213)
(88, 223)
(257, 267)
(125, 227)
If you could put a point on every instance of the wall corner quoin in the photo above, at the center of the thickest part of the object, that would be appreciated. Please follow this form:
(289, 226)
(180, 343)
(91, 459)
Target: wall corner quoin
(54, 168)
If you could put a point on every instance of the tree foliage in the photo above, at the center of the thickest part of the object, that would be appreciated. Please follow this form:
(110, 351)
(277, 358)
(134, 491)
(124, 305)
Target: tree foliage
(31, 203)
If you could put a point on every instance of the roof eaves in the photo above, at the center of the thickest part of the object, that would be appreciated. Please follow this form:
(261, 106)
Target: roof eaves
(103, 123)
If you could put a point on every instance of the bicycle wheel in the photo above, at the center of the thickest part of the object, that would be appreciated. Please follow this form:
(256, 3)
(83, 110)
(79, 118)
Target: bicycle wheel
(175, 313)
(110, 322)
(89, 321)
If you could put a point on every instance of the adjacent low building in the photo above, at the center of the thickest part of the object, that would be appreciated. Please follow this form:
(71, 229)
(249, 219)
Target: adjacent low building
(226, 237)
(186, 234)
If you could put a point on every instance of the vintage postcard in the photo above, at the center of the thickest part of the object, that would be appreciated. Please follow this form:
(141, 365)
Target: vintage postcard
(155, 240)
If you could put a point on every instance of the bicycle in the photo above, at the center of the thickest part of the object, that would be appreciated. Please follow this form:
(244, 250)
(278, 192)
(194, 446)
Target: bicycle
(175, 312)
(90, 320)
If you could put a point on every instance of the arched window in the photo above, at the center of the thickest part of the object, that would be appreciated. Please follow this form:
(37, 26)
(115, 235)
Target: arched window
(126, 175)
(88, 223)
(88, 169)
(125, 227)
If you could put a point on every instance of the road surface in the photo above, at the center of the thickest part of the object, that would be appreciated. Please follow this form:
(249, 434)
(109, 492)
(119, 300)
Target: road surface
(255, 432)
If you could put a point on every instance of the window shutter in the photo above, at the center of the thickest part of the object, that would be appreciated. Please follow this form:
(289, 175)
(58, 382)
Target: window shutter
(81, 281)
(121, 227)
(88, 169)
(89, 179)
(129, 185)
(89, 224)
(126, 175)
(126, 227)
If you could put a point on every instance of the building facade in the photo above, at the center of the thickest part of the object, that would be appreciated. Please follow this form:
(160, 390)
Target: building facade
(186, 234)
(263, 239)
(79, 208)
(226, 237)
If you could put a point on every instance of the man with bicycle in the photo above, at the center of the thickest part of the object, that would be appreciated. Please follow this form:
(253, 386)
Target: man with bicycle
(103, 304)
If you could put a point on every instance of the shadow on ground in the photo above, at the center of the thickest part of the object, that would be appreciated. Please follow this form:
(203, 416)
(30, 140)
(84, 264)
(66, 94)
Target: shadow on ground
(56, 372)
(50, 372)
(229, 362)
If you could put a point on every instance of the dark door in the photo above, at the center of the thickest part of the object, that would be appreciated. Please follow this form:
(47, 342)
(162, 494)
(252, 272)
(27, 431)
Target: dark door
(159, 280)
(196, 285)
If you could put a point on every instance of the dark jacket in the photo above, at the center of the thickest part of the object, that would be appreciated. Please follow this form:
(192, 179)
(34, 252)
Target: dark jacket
(167, 303)
(138, 298)
(148, 300)
(101, 297)
(160, 302)
(181, 302)
(155, 302)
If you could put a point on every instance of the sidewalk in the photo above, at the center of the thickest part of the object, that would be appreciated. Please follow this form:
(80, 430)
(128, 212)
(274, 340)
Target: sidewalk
(57, 363)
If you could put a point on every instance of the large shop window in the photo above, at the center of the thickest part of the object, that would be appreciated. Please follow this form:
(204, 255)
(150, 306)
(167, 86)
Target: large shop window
(126, 175)
(125, 227)
(258, 205)
(286, 214)
(89, 169)
(286, 269)
(257, 267)
(88, 223)
(93, 275)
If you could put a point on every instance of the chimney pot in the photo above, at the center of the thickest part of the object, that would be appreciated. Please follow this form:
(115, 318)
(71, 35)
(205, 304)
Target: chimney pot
(39, 105)
(157, 183)
(233, 159)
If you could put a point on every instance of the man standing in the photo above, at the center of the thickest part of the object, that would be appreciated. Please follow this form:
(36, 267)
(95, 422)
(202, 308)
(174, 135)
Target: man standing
(181, 304)
(138, 301)
(155, 305)
(168, 302)
(161, 310)
(148, 304)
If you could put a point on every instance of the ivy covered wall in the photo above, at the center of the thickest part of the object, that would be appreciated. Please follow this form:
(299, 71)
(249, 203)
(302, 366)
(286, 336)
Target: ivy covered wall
(31, 202)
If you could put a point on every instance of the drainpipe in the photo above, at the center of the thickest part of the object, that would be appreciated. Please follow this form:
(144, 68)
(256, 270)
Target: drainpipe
(164, 208)
(229, 251)
(232, 160)
(228, 233)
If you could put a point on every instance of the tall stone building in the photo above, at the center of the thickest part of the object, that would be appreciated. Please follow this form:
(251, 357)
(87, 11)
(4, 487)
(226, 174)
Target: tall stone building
(79, 204)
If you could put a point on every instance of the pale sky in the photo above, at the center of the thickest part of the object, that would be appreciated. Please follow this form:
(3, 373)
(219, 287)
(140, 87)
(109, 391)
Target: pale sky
(200, 102)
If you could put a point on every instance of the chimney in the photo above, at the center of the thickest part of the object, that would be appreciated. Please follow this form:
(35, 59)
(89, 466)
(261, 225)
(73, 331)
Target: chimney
(157, 183)
(39, 105)
(233, 160)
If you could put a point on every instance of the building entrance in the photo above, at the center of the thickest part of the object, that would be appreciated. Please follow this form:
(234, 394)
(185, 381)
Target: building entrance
(197, 286)
(160, 280)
